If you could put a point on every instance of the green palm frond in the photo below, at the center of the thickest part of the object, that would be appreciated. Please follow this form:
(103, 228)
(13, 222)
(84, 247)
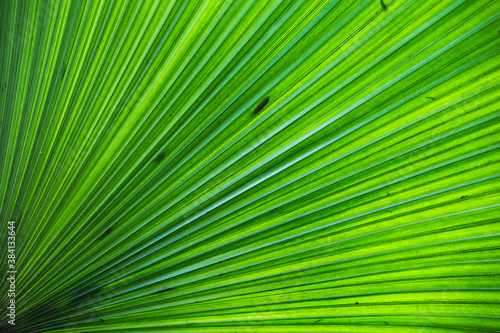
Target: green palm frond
(251, 166)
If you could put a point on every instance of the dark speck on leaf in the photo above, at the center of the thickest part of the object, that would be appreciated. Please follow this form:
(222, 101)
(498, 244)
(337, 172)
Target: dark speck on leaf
(430, 97)
(317, 321)
(160, 157)
(464, 197)
(261, 105)
(356, 303)
(106, 233)
(64, 70)
(165, 289)
(386, 323)
(384, 7)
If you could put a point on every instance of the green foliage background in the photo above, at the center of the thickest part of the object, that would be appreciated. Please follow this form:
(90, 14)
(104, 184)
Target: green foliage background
(152, 193)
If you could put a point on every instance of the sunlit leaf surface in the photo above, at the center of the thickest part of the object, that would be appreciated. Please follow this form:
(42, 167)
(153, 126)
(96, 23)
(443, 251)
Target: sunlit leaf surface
(251, 166)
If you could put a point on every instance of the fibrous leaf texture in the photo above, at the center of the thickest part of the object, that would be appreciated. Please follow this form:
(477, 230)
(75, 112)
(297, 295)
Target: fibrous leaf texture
(251, 166)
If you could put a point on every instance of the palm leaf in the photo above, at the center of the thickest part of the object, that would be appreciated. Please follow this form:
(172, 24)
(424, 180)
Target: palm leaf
(251, 166)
